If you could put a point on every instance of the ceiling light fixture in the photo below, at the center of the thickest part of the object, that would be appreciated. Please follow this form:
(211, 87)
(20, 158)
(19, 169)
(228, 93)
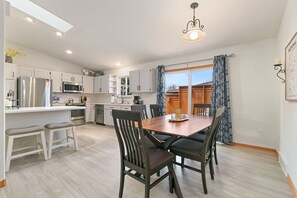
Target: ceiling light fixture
(118, 64)
(68, 51)
(194, 30)
(29, 19)
(59, 34)
(41, 14)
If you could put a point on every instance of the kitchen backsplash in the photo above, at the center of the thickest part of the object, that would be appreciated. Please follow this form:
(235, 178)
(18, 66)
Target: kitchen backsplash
(148, 98)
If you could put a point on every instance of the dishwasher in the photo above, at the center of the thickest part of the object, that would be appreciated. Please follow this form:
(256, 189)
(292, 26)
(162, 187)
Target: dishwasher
(99, 114)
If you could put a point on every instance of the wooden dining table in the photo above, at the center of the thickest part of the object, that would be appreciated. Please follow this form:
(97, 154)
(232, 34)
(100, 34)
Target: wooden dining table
(163, 125)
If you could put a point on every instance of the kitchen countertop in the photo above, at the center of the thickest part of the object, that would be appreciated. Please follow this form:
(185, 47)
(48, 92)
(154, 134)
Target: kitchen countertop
(116, 104)
(42, 109)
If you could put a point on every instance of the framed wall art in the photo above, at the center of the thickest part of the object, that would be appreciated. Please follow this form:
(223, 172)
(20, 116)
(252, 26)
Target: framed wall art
(291, 69)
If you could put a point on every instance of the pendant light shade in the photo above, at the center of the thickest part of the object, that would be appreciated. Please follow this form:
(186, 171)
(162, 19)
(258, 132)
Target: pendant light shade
(194, 30)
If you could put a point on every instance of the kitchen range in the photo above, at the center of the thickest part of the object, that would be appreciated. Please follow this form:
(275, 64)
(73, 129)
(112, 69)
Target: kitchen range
(78, 115)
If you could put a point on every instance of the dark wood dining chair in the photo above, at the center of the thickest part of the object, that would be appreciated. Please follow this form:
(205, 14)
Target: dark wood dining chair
(201, 152)
(140, 108)
(137, 159)
(156, 111)
(201, 109)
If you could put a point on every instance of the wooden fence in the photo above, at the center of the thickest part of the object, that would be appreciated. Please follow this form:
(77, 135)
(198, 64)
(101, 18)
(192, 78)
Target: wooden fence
(201, 94)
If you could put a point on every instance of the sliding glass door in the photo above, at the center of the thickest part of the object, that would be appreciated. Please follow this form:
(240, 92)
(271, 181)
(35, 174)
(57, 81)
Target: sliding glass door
(176, 91)
(186, 88)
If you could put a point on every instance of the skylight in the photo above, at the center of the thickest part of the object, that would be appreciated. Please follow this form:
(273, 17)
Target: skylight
(41, 14)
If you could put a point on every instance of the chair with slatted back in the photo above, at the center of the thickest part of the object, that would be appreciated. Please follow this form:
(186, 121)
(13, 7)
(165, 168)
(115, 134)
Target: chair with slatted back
(201, 109)
(137, 159)
(201, 152)
(156, 111)
(140, 108)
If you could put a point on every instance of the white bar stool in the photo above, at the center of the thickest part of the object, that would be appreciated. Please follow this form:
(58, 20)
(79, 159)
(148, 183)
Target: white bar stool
(24, 132)
(55, 127)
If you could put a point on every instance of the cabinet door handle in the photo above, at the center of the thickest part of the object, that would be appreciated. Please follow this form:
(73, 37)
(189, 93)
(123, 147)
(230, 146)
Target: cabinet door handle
(13, 74)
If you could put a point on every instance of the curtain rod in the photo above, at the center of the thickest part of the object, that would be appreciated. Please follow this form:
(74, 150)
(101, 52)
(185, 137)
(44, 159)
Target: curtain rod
(227, 55)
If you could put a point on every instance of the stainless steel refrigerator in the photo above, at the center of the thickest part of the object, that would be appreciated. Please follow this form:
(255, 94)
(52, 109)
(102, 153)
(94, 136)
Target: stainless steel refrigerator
(34, 92)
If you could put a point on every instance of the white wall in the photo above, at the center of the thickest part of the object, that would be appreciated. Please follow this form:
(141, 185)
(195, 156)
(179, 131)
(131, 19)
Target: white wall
(254, 89)
(35, 59)
(2, 115)
(288, 127)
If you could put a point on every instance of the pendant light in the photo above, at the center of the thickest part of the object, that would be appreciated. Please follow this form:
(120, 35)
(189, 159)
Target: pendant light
(194, 30)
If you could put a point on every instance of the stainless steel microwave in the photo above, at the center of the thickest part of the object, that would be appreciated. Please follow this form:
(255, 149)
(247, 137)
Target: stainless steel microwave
(72, 87)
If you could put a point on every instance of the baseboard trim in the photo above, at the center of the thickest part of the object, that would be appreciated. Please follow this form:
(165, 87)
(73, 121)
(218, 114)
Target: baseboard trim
(257, 148)
(292, 186)
(3, 183)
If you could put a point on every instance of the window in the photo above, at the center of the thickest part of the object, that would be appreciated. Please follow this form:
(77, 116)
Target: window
(187, 87)
(124, 87)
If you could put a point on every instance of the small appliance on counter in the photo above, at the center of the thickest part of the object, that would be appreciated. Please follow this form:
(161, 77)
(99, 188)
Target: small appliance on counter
(136, 100)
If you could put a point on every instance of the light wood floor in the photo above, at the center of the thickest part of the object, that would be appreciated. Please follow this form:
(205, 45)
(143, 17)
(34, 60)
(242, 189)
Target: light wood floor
(93, 172)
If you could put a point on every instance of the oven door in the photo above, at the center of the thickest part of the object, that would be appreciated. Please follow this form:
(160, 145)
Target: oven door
(78, 116)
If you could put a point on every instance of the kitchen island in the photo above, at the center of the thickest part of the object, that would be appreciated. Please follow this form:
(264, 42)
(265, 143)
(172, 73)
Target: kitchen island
(28, 116)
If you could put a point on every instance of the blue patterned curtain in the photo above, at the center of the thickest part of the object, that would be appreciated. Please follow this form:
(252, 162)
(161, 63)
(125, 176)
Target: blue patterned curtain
(161, 92)
(220, 97)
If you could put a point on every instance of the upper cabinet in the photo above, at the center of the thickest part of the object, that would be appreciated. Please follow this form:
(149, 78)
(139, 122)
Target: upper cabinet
(143, 80)
(39, 73)
(72, 78)
(56, 81)
(105, 84)
(25, 71)
(10, 71)
(88, 83)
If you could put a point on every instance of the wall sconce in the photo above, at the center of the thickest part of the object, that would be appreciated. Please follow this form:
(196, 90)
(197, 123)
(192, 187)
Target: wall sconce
(278, 66)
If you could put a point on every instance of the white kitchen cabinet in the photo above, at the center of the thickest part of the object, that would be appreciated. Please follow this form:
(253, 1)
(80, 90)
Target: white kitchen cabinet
(88, 84)
(108, 120)
(71, 78)
(143, 80)
(25, 71)
(90, 113)
(105, 84)
(97, 84)
(10, 71)
(39, 73)
(56, 81)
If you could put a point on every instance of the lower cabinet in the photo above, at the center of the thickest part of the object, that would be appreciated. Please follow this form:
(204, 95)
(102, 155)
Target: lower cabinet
(107, 113)
(90, 113)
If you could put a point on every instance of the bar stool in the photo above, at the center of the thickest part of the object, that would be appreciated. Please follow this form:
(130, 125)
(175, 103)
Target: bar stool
(15, 133)
(55, 127)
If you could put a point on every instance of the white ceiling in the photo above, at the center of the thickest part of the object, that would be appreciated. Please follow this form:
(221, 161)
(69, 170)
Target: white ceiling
(136, 31)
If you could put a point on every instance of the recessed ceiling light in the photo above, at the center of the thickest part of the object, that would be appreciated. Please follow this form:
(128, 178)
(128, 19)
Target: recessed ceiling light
(41, 14)
(59, 34)
(29, 19)
(68, 51)
(118, 64)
